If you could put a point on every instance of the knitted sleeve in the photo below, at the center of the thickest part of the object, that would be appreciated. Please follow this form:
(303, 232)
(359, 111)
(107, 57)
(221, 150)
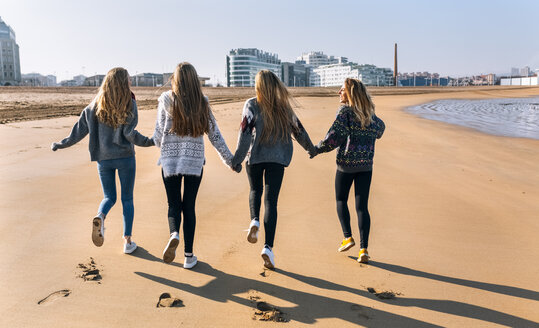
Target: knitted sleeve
(337, 134)
(245, 135)
(301, 135)
(379, 126)
(78, 132)
(132, 134)
(160, 121)
(218, 141)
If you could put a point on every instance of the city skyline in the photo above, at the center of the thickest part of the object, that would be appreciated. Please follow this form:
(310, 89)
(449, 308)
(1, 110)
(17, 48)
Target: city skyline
(67, 39)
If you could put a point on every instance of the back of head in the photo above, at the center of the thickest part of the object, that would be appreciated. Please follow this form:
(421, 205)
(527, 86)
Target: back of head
(359, 100)
(190, 110)
(113, 101)
(274, 102)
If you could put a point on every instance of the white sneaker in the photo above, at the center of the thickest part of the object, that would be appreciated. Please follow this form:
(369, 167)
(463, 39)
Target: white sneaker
(268, 257)
(98, 230)
(130, 247)
(252, 235)
(190, 262)
(170, 250)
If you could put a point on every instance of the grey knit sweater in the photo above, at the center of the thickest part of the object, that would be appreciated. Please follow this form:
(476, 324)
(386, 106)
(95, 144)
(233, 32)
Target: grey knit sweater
(105, 141)
(184, 154)
(249, 144)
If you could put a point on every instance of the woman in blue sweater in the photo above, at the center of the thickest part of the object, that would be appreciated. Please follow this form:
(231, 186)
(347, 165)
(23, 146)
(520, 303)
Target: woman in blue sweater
(110, 120)
(354, 132)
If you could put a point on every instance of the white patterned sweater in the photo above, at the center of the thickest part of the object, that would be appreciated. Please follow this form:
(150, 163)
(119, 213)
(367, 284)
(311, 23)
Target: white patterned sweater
(184, 154)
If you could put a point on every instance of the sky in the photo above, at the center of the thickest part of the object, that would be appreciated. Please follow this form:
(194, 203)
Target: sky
(456, 38)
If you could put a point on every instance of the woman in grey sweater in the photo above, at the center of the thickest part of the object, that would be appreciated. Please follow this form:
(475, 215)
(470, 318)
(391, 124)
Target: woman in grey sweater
(268, 121)
(111, 120)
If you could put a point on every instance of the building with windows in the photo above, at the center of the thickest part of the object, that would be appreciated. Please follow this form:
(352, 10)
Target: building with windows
(10, 67)
(168, 76)
(242, 64)
(335, 74)
(295, 74)
(318, 58)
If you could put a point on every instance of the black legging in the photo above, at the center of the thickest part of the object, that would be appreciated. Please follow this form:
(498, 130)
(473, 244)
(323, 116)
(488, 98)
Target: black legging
(177, 205)
(273, 178)
(362, 184)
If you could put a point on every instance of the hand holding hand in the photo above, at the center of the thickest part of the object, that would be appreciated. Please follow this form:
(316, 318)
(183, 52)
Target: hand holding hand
(54, 146)
(237, 168)
(313, 152)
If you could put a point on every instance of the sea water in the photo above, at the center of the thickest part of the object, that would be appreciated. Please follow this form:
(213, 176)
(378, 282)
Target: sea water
(512, 117)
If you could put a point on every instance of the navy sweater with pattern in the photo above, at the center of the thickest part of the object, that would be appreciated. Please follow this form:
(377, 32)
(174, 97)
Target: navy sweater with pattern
(355, 143)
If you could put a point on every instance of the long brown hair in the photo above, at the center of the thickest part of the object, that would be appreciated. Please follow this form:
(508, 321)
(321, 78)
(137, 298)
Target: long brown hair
(274, 101)
(190, 109)
(360, 101)
(113, 101)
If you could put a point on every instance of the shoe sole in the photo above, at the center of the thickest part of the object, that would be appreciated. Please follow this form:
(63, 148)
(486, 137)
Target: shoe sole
(251, 236)
(347, 247)
(97, 237)
(267, 262)
(170, 252)
(363, 259)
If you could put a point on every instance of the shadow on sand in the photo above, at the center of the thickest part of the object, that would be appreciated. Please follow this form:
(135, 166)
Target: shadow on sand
(309, 307)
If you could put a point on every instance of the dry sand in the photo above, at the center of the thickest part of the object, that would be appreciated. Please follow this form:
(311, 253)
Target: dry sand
(454, 232)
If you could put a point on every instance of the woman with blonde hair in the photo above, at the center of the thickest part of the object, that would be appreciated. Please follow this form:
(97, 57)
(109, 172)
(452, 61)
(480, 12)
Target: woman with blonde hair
(111, 120)
(354, 132)
(268, 121)
(183, 117)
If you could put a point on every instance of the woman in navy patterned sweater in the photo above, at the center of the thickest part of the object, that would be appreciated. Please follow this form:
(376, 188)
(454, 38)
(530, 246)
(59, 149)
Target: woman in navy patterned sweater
(354, 132)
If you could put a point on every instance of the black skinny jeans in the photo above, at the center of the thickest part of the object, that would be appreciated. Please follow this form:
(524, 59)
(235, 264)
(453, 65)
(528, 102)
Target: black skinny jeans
(267, 176)
(177, 205)
(362, 184)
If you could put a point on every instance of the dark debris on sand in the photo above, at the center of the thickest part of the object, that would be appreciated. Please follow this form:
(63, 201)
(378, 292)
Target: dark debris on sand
(166, 300)
(266, 312)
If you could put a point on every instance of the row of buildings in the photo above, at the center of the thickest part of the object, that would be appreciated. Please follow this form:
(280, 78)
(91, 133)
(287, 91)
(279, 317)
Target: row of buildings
(312, 69)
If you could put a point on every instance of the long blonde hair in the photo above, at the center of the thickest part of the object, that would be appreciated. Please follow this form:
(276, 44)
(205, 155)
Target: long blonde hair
(359, 100)
(190, 109)
(274, 101)
(113, 101)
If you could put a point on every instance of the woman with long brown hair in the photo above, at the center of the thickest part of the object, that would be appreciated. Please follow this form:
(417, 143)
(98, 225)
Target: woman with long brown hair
(354, 132)
(268, 122)
(111, 120)
(183, 117)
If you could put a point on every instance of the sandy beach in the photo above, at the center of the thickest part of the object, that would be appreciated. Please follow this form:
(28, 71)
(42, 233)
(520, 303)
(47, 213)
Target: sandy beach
(453, 236)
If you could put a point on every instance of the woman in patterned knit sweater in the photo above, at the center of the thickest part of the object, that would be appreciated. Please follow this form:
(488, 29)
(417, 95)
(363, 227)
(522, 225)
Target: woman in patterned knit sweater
(268, 122)
(183, 117)
(354, 132)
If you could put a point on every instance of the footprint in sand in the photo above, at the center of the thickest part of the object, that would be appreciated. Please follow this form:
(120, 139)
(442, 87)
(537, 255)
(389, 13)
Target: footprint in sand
(166, 300)
(383, 295)
(361, 311)
(56, 295)
(89, 271)
(266, 312)
(266, 272)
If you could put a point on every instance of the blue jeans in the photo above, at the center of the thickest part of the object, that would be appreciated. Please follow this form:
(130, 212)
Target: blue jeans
(107, 174)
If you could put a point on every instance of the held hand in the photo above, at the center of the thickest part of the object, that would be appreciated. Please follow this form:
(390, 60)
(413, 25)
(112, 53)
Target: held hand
(54, 146)
(237, 168)
(313, 152)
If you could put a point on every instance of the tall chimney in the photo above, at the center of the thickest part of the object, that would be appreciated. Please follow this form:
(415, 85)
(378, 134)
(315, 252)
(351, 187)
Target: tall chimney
(395, 68)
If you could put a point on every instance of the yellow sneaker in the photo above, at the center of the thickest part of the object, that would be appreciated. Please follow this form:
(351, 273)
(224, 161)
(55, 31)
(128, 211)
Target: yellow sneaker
(346, 244)
(363, 256)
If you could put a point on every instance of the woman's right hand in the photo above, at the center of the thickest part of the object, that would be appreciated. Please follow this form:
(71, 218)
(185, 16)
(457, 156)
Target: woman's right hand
(54, 146)
(237, 168)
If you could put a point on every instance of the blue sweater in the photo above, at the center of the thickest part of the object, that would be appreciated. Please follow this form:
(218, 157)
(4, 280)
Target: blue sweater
(105, 141)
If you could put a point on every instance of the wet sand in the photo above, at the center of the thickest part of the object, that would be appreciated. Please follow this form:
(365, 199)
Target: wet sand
(453, 236)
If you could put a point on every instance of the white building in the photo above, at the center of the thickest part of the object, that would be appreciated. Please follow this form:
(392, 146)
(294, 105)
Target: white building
(335, 74)
(38, 80)
(10, 66)
(243, 64)
(318, 58)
